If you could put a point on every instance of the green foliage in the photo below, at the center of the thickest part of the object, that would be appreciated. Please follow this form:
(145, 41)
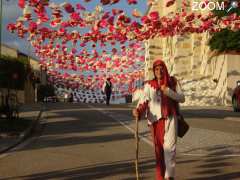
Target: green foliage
(13, 72)
(226, 39)
(45, 91)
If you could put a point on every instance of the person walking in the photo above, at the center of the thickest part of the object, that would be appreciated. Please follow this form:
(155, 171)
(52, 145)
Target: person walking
(107, 89)
(159, 102)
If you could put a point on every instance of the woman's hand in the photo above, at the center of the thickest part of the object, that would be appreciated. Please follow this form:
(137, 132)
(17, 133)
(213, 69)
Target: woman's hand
(135, 113)
(164, 89)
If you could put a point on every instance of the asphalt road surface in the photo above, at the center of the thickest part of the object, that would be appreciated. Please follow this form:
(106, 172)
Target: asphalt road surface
(80, 141)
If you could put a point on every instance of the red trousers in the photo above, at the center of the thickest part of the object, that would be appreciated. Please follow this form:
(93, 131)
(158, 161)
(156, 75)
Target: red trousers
(157, 130)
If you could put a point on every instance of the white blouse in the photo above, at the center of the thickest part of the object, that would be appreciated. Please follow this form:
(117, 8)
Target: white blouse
(151, 100)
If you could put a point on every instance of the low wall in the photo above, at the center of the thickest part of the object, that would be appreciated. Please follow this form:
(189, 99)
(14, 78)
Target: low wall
(20, 94)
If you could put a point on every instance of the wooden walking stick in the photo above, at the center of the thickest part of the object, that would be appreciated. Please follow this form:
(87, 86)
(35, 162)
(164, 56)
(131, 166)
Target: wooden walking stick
(137, 148)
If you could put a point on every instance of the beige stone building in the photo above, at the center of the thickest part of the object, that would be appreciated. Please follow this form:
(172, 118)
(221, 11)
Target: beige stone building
(28, 95)
(207, 78)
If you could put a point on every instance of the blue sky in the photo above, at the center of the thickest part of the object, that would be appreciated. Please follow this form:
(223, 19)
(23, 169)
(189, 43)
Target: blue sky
(11, 12)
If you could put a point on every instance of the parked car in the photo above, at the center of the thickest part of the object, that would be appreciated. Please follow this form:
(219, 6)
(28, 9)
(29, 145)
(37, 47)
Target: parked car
(236, 98)
(50, 99)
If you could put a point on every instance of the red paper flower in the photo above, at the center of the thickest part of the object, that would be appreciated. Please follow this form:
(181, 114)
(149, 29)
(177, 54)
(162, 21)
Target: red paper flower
(105, 2)
(21, 3)
(11, 27)
(116, 11)
(76, 16)
(80, 7)
(105, 15)
(111, 20)
(103, 23)
(132, 2)
(114, 1)
(69, 8)
(154, 16)
(170, 3)
(32, 27)
(145, 20)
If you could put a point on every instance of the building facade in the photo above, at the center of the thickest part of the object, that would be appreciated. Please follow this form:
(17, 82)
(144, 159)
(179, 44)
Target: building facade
(29, 94)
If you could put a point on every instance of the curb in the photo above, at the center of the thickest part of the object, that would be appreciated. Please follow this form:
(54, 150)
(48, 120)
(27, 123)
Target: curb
(25, 134)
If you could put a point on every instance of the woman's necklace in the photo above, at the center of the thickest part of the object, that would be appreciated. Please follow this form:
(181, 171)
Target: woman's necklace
(158, 92)
(158, 95)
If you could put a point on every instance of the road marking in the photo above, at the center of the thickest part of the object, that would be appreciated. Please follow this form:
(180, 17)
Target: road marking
(207, 155)
(113, 115)
(232, 119)
(146, 140)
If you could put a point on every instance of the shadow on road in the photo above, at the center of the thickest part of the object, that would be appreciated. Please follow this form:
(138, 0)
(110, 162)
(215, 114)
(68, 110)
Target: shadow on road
(210, 167)
(228, 176)
(110, 170)
(209, 113)
(66, 128)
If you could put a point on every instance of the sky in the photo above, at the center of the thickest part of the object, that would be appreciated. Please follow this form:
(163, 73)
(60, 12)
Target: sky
(11, 12)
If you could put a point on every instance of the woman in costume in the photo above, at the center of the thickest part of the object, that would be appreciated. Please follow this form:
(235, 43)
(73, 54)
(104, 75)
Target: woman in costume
(161, 96)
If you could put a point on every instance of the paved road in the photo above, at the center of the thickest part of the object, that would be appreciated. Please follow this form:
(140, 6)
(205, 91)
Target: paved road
(80, 141)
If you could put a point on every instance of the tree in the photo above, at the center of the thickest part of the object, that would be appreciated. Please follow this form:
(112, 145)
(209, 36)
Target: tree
(226, 39)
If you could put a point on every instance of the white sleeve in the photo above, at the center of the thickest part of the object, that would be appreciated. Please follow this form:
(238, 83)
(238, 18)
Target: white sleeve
(144, 99)
(178, 95)
(103, 87)
(113, 88)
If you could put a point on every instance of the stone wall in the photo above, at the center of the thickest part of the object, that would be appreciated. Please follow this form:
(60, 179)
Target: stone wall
(8, 51)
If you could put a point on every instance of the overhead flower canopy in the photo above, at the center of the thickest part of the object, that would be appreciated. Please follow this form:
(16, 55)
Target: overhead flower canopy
(81, 47)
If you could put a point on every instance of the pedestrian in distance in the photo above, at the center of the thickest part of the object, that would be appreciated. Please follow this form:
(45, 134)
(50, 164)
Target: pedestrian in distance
(71, 97)
(159, 101)
(107, 89)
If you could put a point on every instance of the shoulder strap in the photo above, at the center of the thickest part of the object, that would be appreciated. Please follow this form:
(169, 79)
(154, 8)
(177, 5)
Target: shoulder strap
(173, 82)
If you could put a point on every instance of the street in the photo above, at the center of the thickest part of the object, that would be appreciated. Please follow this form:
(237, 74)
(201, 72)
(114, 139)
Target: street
(93, 141)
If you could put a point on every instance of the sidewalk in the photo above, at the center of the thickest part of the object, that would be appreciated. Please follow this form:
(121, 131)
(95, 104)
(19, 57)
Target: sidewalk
(31, 112)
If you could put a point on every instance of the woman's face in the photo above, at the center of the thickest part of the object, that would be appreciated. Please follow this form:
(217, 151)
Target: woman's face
(158, 72)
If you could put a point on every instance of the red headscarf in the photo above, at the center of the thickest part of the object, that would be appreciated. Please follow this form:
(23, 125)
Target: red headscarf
(168, 106)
